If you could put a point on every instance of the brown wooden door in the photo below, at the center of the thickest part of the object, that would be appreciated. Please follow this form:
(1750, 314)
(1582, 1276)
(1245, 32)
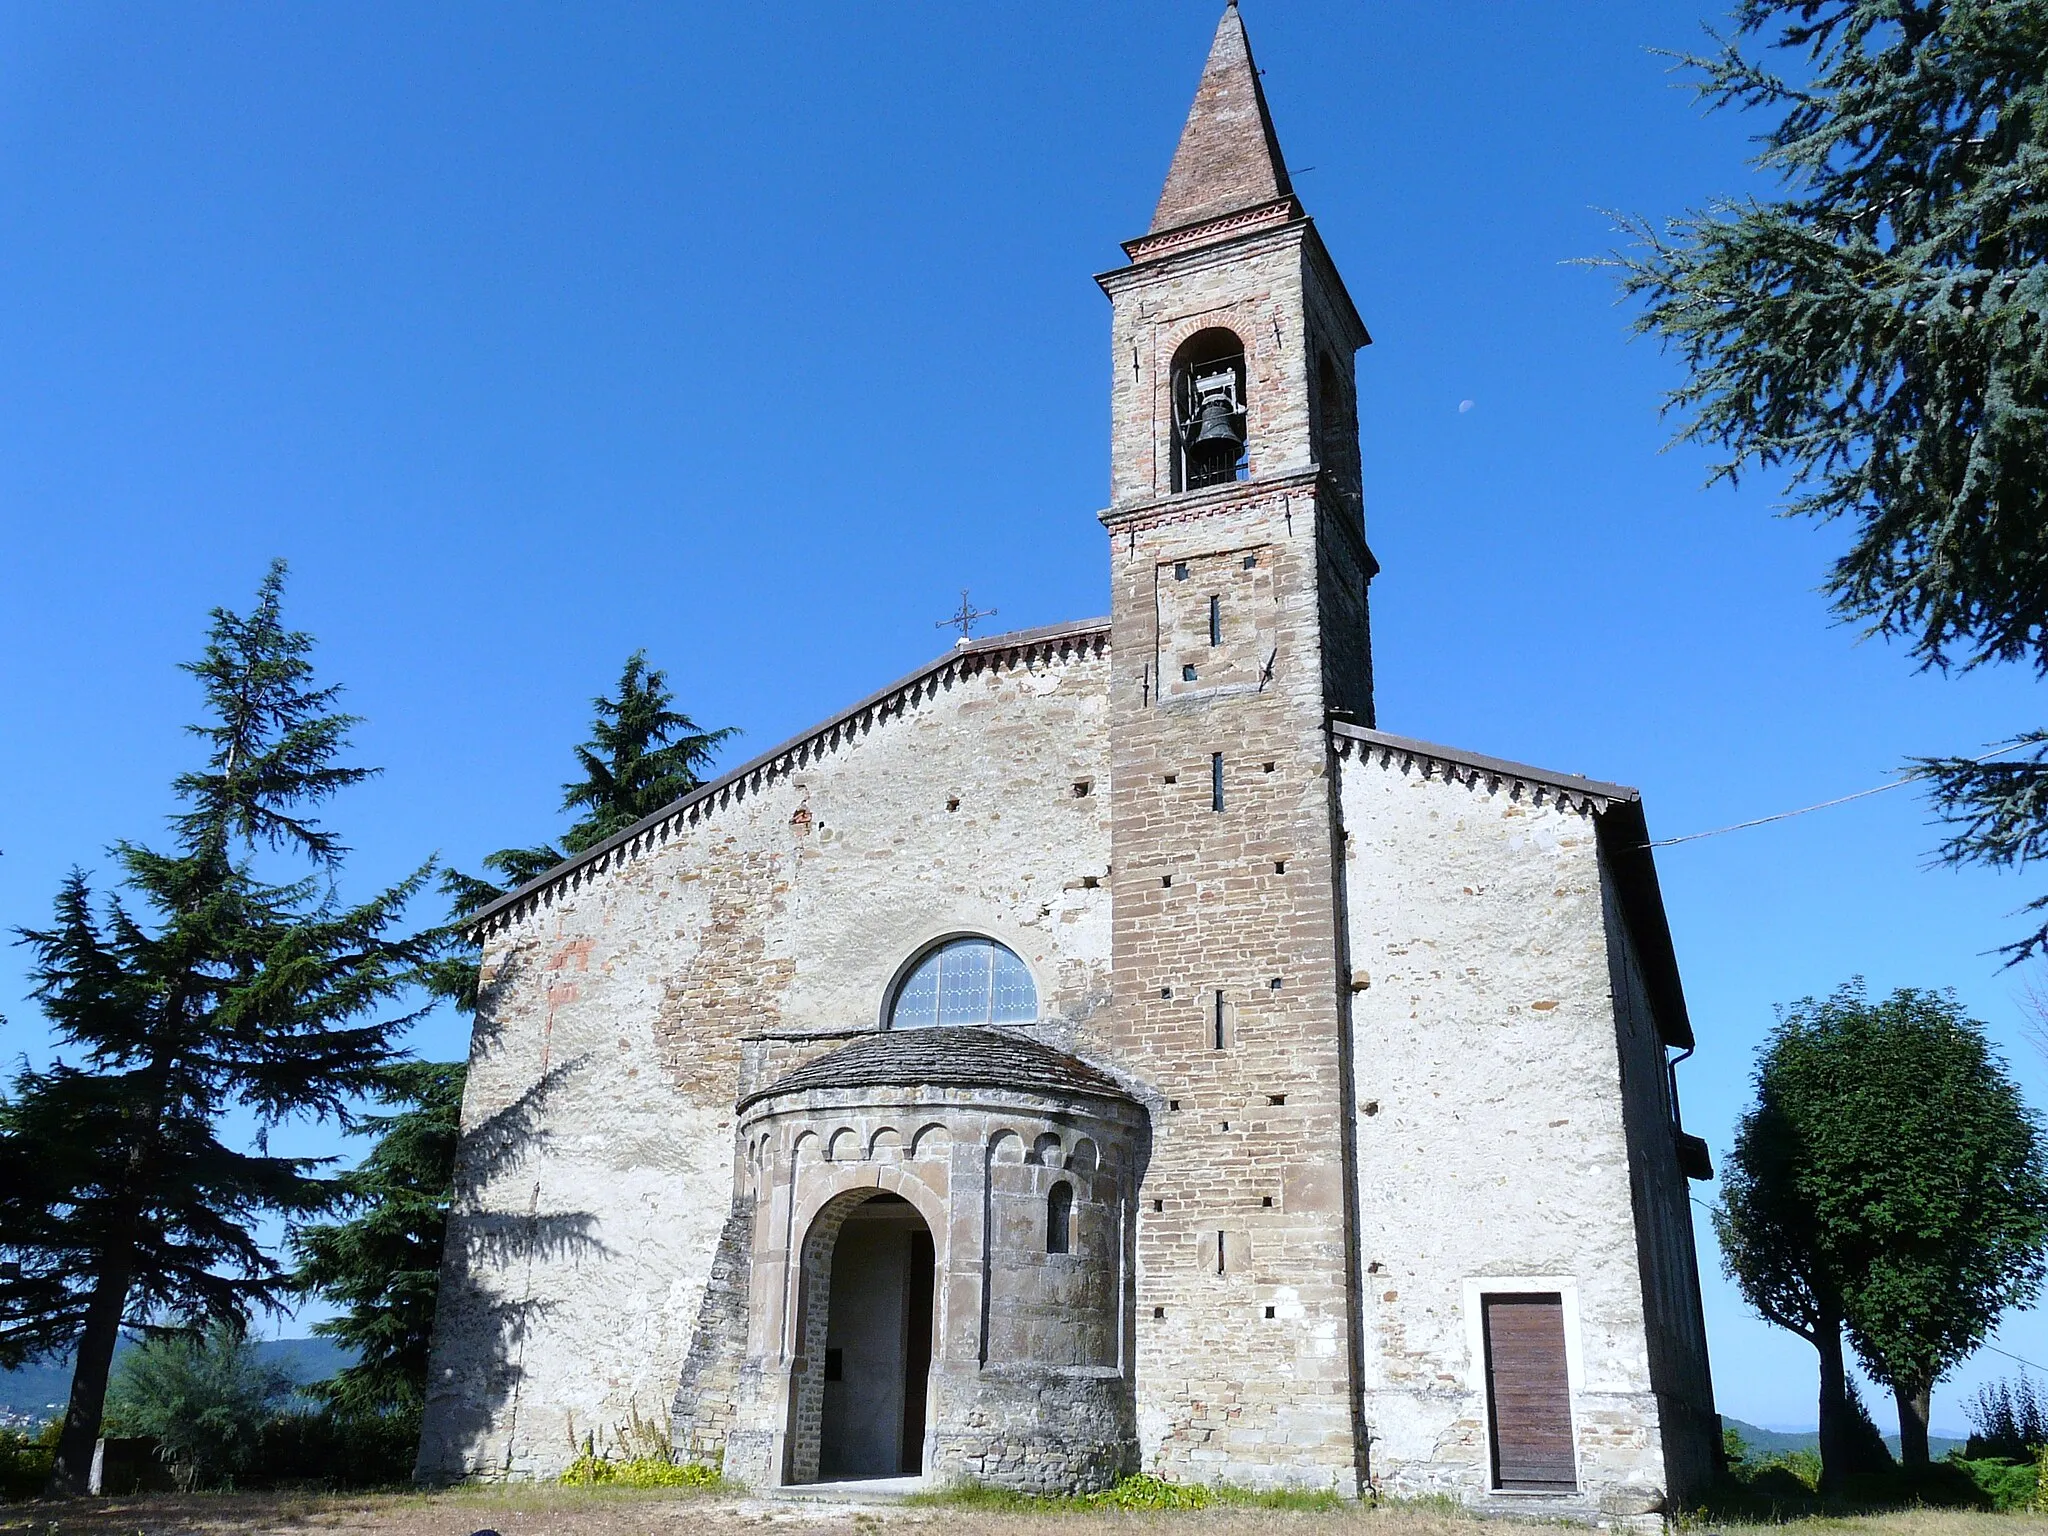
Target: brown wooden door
(1529, 1392)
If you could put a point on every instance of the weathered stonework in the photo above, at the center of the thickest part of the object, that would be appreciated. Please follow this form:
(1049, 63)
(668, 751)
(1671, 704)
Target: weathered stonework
(1029, 1382)
(1337, 1035)
(599, 1128)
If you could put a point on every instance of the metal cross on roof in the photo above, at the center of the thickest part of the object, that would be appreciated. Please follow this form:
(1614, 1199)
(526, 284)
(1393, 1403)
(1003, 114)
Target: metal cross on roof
(964, 619)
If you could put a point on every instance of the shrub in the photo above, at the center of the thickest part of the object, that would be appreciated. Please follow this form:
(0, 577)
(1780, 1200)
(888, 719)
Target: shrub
(25, 1457)
(2007, 1485)
(1145, 1491)
(204, 1399)
(592, 1471)
(2010, 1422)
(334, 1450)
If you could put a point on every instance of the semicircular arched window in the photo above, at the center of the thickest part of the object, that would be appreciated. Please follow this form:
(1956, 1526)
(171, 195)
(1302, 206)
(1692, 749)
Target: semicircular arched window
(965, 981)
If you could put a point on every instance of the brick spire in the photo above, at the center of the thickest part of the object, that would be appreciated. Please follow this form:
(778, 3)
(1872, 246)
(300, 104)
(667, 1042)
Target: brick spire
(1228, 158)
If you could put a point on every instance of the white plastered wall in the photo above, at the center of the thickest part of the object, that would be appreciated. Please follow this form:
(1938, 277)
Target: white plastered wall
(1492, 1151)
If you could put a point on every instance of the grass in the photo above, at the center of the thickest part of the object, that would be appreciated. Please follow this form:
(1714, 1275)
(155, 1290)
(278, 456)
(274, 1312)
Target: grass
(591, 1471)
(619, 1509)
(1140, 1492)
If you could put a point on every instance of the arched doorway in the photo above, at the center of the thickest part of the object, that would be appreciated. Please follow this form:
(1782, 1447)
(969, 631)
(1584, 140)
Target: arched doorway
(867, 1322)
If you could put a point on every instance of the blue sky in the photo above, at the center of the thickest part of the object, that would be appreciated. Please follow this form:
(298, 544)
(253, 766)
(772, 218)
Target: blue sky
(751, 335)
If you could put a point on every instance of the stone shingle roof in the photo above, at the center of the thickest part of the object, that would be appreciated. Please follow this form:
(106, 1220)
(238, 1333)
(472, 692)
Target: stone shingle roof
(947, 1056)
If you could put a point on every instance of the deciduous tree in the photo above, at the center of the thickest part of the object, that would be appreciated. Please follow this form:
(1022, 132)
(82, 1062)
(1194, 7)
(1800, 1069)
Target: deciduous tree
(1889, 1179)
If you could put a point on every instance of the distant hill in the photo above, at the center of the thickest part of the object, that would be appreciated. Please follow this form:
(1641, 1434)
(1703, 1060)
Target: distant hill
(38, 1391)
(1775, 1442)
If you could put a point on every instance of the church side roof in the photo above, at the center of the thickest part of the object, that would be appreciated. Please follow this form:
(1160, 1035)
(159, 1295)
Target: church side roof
(950, 1055)
(1624, 833)
(1228, 159)
(754, 774)
(1578, 793)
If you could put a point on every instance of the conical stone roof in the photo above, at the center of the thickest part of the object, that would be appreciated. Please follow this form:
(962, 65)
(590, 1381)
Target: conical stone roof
(1229, 158)
(948, 1056)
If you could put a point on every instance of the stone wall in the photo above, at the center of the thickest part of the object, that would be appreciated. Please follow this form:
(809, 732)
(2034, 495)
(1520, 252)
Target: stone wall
(598, 1161)
(1225, 918)
(1499, 1148)
(976, 1164)
(708, 1394)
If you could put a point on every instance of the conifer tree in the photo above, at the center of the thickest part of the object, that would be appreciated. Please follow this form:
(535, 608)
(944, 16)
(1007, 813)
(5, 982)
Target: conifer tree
(202, 988)
(1879, 334)
(383, 1264)
(643, 755)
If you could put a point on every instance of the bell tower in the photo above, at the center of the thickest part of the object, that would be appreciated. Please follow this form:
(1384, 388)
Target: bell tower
(1239, 574)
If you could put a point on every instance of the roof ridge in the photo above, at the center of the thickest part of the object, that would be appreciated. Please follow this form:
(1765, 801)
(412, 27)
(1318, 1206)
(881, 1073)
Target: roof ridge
(735, 778)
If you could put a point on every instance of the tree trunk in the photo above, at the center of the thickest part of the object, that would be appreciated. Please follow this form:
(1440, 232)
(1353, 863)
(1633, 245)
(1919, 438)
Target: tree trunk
(1836, 1453)
(1914, 1404)
(72, 1470)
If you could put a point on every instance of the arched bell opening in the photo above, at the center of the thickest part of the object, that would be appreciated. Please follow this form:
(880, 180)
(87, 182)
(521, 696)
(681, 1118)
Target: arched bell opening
(1209, 410)
(1337, 430)
(861, 1374)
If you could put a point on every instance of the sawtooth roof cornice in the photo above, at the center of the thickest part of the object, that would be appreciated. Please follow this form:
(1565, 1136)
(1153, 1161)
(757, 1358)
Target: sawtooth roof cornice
(1054, 641)
(1468, 768)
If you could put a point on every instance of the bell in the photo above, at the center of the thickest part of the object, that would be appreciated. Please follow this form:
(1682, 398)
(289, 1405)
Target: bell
(1217, 423)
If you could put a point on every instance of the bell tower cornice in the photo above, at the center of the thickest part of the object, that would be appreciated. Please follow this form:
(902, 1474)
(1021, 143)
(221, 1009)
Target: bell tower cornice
(1156, 258)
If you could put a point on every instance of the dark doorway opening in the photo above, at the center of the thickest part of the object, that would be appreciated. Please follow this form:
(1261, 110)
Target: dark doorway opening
(878, 1334)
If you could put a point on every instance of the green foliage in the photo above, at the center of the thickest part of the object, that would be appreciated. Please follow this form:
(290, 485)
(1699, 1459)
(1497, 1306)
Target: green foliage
(636, 1454)
(2005, 1485)
(643, 755)
(383, 1264)
(1786, 1486)
(1803, 1467)
(1999, 815)
(1145, 1491)
(326, 1449)
(201, 991)
(2011, 1423)
(1890, 1176)
(1137, 1492)
(204, 1399)
(25, 1458)
(1926, 1171)
(641, 1472)
(1877, 333)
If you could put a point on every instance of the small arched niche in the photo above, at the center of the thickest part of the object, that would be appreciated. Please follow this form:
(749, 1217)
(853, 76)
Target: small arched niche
(1209, 410)
(1059, 1218)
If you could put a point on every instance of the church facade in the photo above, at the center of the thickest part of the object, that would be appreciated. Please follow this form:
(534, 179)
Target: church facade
(1105, 1049)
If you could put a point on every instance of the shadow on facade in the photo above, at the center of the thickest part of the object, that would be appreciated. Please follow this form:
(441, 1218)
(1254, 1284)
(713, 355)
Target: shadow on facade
(488, 1290)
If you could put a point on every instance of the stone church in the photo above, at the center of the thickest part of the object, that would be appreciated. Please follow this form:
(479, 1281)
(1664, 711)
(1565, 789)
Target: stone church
(1105, 1049)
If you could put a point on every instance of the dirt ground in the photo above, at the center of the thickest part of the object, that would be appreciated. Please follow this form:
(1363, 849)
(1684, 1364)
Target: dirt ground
(605, 1512)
